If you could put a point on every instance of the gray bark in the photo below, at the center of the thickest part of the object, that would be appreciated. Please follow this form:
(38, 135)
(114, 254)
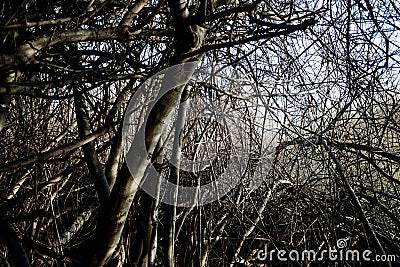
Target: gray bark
(174, 174)
(115, 212)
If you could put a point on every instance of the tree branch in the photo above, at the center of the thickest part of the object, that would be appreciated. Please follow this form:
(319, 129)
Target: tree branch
(354, 199)
(24, 54)
(91, 157)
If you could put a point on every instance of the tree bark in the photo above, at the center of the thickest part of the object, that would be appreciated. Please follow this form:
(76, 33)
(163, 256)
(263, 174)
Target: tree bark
(174, 174)
(91, 157)
(114, 214)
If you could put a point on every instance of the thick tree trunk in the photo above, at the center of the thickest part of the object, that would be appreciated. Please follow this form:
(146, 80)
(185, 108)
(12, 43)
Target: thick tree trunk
(117, 207)
(113, 215)
(147, 222)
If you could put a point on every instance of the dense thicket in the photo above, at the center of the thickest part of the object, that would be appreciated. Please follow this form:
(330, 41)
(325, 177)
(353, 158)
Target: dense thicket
(317, 87)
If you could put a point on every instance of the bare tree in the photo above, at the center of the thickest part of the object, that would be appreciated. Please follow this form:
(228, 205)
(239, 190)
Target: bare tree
(315, 84)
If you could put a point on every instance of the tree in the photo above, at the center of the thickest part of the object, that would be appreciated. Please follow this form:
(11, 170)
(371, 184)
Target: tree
(307, 76)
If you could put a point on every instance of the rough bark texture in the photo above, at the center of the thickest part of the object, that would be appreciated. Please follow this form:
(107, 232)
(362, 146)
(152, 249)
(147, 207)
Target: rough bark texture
(117, 207)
